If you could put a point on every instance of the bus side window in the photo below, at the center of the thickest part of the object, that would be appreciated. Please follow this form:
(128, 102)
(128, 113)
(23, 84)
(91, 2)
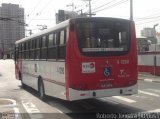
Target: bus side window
(55, 39)
(32, 46)
(23, 50)
(20, 51)
(50, 42)
(62, 45)
(37, 48)
(52, 46)
(27, 50)
(44, 47)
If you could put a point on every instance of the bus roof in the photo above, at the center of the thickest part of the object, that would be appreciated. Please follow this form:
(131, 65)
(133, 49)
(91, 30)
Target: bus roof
(58, 26)
(64, 24)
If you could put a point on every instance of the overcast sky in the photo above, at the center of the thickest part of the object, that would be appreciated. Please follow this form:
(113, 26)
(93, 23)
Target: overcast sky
(42, 12)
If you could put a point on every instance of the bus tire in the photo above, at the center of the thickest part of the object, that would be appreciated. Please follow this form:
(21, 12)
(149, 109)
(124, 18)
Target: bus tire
(41, 91)
(20, 78)
(23, 85)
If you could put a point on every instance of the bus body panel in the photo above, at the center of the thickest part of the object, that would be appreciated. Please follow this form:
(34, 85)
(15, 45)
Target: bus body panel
(89, 72)
(54, 85)
(77, 95)
(54, 90)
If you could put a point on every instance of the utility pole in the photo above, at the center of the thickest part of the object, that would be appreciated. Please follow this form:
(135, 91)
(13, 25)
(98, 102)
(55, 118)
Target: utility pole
(131, 10)
(81, 12)
(155, 56)
(90, 10)
(30, 31)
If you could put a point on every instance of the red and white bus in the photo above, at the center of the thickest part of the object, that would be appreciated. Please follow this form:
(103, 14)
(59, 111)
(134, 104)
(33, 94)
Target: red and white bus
(80, 58)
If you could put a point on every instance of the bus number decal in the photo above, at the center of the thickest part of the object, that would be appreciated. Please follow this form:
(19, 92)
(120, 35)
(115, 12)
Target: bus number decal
(123, 61)
(88, 67)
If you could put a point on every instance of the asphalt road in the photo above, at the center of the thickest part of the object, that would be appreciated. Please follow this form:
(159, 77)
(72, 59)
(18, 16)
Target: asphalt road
(18, 103)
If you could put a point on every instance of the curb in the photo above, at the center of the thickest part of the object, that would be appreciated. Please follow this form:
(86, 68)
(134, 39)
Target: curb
(148, 75)
(150, 80)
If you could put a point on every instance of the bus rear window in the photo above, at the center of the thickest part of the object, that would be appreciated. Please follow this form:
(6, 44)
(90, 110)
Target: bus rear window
(98, 38)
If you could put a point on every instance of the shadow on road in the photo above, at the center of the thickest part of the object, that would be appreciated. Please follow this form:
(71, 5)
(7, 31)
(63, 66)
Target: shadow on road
(90, 108)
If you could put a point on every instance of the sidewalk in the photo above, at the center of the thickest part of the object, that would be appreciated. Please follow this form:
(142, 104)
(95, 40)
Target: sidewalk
(148, 77)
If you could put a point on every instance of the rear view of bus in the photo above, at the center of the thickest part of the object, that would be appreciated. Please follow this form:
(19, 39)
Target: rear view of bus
(101, 58)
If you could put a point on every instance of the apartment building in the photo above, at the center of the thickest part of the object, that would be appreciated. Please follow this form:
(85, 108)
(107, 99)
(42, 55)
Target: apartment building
(12, 27)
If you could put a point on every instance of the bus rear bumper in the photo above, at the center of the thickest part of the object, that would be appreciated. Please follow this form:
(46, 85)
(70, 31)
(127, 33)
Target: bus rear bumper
(78, 95)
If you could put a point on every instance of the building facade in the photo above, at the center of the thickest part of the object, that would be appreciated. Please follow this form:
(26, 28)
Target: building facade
(12, 27)
(148, 32)
(63, 15)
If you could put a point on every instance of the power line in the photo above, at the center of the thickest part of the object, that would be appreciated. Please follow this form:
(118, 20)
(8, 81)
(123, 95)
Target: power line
(42, 9)
(103, 5)
(35, 7)
(153, 16)
(45, 6)
(95, 1)
(146, 18)
(41, 19)
(148, 22)
(114, 5)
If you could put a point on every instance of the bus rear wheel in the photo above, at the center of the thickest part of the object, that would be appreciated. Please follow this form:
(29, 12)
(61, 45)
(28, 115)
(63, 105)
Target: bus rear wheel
(20, 78)
(41, 90)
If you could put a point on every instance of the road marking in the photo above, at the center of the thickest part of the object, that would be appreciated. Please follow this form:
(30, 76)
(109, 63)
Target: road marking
(30, 107)
(148, 93)
(16, 110)
(156, 110)
(32, 110)
(148, 80)
(124, 99)
(59, 111)
(9, 105)
(155, 90)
